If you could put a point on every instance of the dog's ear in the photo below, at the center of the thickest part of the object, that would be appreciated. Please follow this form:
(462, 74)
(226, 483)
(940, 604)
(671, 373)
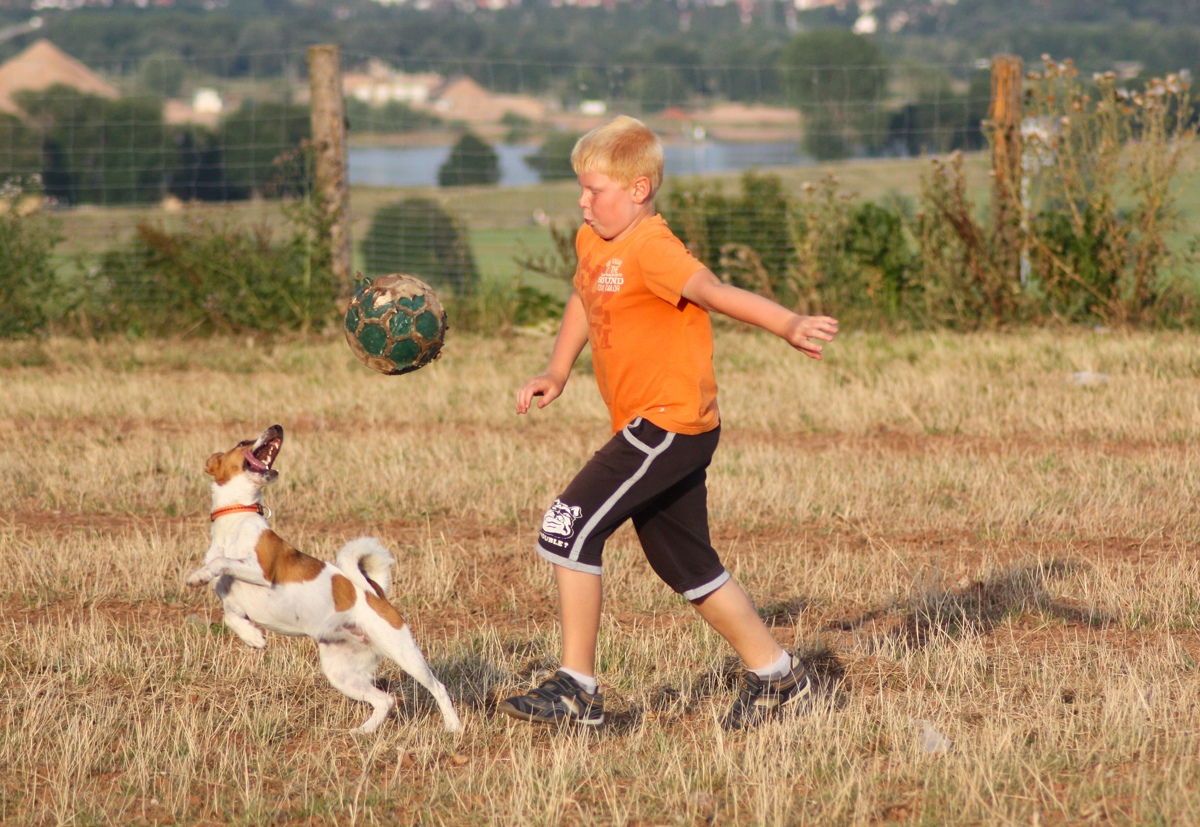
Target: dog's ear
(210, 467)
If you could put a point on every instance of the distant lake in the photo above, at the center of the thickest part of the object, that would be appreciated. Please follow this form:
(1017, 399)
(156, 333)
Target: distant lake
(416, 166)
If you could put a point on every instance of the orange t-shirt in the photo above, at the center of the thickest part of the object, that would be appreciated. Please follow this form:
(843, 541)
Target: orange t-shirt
(651, 349)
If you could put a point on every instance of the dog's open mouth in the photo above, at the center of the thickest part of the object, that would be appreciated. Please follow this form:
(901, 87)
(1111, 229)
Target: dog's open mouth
(261, 456)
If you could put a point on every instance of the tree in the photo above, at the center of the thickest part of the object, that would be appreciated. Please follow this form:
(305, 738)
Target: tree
(198, 173)
(97, 150)
(418, 237)
(750, 73)
(656, 88)
(837, 79)
(162, 73)
(20, 149)
(940, 120)
(471, 161)
(252, 138)
(552, 161)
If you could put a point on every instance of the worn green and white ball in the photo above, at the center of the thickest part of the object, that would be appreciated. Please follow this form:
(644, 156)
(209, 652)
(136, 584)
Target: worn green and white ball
(395, 324)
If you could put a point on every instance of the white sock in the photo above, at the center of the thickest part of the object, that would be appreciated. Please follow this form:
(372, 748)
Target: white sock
(588, 682)
(777, 669)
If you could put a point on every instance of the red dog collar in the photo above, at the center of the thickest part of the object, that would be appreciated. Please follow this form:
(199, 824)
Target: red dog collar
(237, 509)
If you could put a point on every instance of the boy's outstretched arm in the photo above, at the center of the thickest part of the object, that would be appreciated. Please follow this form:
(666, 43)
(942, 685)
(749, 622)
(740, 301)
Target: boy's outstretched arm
(707, 291)
(572, 336)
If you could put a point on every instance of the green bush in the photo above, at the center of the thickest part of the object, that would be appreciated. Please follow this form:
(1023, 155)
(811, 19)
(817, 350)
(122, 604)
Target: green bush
(418, 237)
(519, 127)
(92, 150)
(1108, 162)
(20, 150)
(822, 253)
(552, 161)
(100, 151)
(1085, 238)
(471, 162)
(878, 242)
(854, 258)
(529, 303)
(27, 280)
(942, 119)
(717, 227)
(252, 138)
(213, 278)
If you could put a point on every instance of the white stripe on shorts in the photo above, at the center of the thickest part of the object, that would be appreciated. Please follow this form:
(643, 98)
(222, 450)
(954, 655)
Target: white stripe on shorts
(574, 565)
(602, 511)
(708, 588)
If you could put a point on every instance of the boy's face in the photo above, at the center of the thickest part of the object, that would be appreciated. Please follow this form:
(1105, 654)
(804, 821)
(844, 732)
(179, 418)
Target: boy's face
(609, 208)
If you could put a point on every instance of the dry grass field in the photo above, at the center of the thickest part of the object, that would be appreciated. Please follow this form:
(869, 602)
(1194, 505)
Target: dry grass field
(984, 545)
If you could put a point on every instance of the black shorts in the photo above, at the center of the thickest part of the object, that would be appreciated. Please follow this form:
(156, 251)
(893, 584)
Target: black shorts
(656, 478)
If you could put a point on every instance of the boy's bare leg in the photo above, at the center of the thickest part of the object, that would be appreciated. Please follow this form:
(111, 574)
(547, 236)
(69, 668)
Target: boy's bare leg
(730, 611)
(580, 597)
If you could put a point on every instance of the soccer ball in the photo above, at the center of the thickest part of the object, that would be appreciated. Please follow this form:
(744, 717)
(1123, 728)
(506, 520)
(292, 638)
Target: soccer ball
(395, 324)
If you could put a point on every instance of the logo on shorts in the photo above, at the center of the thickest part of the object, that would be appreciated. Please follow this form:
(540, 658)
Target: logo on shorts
(560, 519)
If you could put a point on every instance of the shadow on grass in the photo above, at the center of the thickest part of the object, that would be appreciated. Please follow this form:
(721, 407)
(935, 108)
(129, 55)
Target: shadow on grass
(478, 683)
(928, 612)
(784, 612)
(981, 605)
(931, 611)
(473, 682)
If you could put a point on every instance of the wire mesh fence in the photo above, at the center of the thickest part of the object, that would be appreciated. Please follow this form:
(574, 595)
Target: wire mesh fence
(149, 138)
(459, 168)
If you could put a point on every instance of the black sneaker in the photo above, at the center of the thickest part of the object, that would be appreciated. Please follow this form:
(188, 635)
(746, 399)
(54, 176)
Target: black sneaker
(558, 700)
(758, 699)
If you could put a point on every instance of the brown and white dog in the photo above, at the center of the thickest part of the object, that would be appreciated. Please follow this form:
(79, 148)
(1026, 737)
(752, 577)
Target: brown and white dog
(264, 582)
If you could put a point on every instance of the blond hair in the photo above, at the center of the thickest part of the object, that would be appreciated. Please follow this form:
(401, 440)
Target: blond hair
(624, 149)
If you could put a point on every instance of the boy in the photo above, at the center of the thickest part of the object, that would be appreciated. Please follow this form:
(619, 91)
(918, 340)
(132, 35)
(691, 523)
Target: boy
(642, 301)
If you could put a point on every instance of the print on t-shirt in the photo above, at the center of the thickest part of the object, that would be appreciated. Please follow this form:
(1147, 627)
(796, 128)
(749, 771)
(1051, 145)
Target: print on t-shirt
(604, 284)
(610, 280)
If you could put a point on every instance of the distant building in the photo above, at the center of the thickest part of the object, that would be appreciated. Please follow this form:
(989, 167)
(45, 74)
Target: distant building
(205, 108)
(380, 84)
(43, 65)
(462, 99)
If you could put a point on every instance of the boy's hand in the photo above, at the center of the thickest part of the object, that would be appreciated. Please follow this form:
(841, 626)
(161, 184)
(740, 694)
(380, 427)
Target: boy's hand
(801, 329)
(546, 386)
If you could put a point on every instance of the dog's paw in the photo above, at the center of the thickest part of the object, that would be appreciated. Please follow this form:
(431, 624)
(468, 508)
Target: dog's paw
(199, 577)
(364, 730)
(250, 634)
(259, 642)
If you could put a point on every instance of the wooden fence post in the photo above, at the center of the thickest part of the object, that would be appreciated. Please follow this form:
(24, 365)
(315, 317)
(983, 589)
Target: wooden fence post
(329, 141)
(1005, 118)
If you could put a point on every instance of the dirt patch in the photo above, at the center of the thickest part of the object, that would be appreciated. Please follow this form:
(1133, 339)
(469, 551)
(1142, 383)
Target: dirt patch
(950, 565)
(882, 439)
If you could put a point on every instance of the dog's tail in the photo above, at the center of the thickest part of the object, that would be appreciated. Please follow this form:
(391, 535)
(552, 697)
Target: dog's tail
(367, 564)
